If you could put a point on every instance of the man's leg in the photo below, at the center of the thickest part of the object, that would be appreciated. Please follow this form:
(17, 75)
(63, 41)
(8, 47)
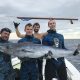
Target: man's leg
(62, 73)
(17, 74)
(2, 76)
(50, 70)
(40, 61)
(34, 72)
(24, 71)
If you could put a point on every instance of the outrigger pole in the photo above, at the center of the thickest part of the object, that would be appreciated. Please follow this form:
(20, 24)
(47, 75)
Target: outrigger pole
(45, 18)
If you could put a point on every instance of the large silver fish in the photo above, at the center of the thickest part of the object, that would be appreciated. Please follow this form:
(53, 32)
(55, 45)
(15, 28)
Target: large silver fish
(35, 50)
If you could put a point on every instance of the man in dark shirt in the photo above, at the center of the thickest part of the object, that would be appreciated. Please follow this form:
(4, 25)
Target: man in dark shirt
(54, 68)
(36, 28)
(29, 66)
(6, 69)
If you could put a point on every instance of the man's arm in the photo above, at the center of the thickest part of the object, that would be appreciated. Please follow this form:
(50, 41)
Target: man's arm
(17, 31)
(43, 34)
(19, 34)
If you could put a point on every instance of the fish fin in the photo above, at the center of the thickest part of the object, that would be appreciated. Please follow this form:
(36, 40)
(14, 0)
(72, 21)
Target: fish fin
(48, 55)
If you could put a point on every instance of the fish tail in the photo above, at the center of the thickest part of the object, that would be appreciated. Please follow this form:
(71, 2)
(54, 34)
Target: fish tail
(77, 51)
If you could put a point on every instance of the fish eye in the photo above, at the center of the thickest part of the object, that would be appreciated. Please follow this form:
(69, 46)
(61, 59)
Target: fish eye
(23, 50)
(7, 47)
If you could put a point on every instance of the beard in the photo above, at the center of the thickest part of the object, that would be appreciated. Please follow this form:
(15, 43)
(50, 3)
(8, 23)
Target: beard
(36, 30)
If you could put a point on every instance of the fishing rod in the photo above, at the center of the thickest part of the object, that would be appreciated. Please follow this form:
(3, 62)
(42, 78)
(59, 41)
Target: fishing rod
(48, 18)
(43, 18)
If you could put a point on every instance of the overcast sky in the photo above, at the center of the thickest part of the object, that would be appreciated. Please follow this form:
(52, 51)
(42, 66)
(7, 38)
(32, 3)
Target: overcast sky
(43, 8)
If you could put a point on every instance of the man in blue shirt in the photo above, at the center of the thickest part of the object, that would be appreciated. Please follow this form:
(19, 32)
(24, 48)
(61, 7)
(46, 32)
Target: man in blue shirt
(29, 67)
(54, 68)
(6, 69)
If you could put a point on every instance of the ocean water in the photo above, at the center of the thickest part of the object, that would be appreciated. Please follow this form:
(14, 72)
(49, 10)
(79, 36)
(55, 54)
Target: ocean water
(71, 44)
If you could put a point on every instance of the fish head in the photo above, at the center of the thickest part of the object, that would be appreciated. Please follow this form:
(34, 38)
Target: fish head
(3, 48)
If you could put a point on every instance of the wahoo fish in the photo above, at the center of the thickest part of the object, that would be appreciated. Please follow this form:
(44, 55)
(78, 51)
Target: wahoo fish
(31, 50)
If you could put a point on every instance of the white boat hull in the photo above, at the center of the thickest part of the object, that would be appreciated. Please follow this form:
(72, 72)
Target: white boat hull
(73, 73)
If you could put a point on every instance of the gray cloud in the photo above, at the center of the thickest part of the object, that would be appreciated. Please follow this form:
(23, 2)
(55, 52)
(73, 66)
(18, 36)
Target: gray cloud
(45, 8)
(58, 8)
